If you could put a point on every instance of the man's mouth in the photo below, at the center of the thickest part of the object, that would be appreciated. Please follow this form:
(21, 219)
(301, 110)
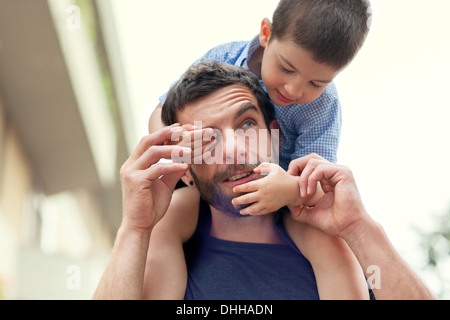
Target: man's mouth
(239, 176)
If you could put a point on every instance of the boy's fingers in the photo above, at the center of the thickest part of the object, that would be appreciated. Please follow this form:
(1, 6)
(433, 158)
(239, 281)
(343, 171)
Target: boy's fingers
(245, 199)
(264, 168)
(247, 187)
(255, 209)
(198, 140)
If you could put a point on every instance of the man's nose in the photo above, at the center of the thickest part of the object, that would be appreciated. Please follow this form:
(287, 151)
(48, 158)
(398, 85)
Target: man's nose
(234, 148)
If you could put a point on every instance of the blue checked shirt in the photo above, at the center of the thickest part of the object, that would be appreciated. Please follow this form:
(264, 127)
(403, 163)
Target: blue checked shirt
(305, 128)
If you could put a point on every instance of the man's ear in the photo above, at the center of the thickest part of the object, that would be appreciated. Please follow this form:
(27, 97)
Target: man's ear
(264, 33)
(274, 125)
(187, 179)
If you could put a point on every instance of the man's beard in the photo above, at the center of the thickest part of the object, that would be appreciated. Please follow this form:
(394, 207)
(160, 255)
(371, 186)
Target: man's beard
(212, 194)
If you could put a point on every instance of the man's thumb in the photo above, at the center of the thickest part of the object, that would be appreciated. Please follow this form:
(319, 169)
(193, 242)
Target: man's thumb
(302, 213)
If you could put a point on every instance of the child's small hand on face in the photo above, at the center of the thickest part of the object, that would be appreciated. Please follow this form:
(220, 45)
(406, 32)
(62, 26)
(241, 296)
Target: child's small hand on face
(199, 140)
(268, 194)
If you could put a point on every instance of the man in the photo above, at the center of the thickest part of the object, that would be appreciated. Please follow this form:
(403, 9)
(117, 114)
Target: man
(239, 106)
(148, 187)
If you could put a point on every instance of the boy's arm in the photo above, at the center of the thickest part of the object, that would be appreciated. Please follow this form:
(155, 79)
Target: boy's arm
(338, 273)
(165, 272)
(155, 122)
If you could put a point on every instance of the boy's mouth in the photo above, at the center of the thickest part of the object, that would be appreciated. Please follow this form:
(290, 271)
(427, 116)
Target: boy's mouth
(283, 99)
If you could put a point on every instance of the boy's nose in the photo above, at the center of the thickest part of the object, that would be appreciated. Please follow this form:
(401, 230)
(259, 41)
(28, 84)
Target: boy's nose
(294, 90)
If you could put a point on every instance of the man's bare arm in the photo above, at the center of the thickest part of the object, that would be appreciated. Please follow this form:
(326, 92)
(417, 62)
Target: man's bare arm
(147, 188)
(340, 212)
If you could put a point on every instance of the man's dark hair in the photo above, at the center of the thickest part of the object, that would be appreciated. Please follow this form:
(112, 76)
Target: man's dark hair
(332, 30)
(206, 78)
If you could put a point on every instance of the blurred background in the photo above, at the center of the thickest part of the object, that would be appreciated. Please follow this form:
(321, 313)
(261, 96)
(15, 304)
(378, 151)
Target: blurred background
(79, 80)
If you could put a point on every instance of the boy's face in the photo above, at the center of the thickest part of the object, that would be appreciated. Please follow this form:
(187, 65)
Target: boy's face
(291, 75)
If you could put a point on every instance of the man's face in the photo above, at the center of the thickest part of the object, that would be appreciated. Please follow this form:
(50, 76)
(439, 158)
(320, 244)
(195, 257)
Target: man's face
(232, 112)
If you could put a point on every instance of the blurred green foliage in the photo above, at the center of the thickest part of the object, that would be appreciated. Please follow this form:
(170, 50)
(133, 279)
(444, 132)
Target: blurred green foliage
(437, 243)
(436, 246)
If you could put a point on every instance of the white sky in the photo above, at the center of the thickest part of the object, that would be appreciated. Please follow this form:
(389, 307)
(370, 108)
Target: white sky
(394, 96)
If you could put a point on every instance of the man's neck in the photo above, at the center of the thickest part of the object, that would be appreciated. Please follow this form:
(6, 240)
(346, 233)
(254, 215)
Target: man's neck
(251, 229)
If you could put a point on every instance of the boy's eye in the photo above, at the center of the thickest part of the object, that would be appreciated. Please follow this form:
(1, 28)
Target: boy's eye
(286, 70)
(314, 85)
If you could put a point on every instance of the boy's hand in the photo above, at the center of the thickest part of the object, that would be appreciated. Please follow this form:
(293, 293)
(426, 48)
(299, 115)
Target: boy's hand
(200, 141)
(268, 194)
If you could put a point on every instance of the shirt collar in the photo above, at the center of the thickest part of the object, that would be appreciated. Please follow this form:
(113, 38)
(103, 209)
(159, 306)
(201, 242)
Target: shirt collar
(248, 52)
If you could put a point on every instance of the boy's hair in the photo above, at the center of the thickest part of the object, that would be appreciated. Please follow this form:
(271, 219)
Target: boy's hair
(206, 78)
(332, 30)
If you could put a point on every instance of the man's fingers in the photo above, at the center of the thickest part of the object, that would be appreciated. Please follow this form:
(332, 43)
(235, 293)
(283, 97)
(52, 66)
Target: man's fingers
(165, 169)
(304, 177)
(296, 166)
(302, 214)
(156, 138)
(155, 153)
(328, 174)
(172, 174)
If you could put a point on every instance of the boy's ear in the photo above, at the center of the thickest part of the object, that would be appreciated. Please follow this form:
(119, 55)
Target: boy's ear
(187, 179)
(264, 33)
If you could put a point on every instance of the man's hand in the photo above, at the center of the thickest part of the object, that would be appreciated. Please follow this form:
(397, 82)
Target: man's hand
(147, 185)
(340, 211)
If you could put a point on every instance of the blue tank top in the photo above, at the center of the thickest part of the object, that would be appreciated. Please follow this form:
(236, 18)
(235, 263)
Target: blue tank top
(227, 270)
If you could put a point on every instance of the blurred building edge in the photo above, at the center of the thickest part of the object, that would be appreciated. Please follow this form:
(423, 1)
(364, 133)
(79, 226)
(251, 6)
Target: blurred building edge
(65, 130)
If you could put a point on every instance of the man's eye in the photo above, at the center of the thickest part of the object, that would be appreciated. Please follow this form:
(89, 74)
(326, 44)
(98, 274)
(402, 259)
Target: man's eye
(248, 124)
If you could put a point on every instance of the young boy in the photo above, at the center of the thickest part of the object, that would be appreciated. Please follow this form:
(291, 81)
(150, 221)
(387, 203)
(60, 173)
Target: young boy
(296, 58)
